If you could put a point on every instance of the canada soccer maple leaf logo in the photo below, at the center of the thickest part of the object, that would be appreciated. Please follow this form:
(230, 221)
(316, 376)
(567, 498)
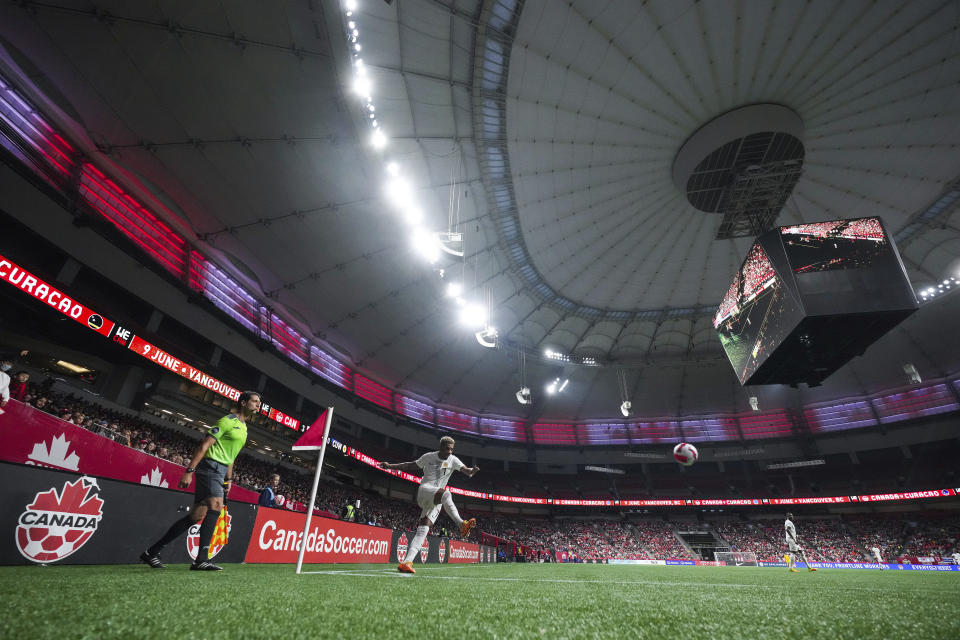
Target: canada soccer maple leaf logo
(443, 550)
(55, 525)
(401, 547)
(424, 550)
(193, 539)
(154, 478)
(56, 455)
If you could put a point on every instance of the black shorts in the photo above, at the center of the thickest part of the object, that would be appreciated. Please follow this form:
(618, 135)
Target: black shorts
(208, 480)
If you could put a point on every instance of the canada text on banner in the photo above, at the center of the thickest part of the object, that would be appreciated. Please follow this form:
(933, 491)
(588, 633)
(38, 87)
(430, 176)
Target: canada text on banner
(277, 535)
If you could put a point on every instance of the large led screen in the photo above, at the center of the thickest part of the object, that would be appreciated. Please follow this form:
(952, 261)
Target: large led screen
(756, 314)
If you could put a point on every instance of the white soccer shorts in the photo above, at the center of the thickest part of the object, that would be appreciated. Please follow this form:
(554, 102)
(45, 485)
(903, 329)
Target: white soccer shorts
(793, 546)
(429, 510)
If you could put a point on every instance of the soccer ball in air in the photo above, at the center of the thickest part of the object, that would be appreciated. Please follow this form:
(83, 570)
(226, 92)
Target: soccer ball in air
(685, 453)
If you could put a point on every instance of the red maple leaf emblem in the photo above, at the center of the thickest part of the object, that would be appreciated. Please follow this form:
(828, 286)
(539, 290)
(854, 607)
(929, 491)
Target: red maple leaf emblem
(73, 500)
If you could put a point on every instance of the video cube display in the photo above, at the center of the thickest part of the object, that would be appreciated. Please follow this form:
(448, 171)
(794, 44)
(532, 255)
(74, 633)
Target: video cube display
(845, 266)
(756, 314)
(841, 244)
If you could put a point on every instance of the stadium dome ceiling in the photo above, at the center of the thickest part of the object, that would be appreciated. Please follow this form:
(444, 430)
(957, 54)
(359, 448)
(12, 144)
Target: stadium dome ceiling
(544, 131)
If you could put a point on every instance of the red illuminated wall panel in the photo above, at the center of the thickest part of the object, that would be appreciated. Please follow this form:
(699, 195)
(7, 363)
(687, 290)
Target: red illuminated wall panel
(915, 403)
(563, 434)
(372, 391)
(457, 421)
(773, 424)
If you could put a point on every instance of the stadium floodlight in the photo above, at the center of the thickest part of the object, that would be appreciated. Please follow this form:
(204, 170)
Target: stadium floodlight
(351, 25)
(487, 337)
(426, 244)
(378, 139)
(523, 396)
(393, 169)
(454, 289)
(625, 409)
(556, 386)
(361, 84)
(400, 194)
(473, 315)
(912, 374)
(350, 5)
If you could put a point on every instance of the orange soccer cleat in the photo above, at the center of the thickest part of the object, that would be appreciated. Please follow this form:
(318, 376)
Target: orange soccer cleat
(794, 571)
(467, 527)
(813, 568)
(406, 567)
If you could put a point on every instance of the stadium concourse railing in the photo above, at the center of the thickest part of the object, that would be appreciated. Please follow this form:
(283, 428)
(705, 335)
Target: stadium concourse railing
(76, 496)
(28, 136)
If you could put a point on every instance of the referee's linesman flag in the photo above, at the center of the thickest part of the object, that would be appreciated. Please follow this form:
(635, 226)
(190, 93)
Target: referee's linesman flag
(312, 438)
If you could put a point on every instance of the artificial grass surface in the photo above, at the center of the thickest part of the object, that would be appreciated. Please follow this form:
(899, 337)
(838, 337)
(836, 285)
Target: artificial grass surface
(476, 601)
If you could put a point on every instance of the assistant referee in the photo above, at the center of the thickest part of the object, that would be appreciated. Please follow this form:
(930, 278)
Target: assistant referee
(212, 464)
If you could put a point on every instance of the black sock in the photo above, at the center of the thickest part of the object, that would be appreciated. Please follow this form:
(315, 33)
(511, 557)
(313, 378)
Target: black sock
(176, 530)
(206, 532)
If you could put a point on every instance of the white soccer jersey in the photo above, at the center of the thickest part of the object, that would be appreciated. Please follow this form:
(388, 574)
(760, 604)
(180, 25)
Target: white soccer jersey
(876, 554)
(790, 532)
(437, 472)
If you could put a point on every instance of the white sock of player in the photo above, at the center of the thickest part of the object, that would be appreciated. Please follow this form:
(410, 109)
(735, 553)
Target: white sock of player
(417, 542)
(450, 508)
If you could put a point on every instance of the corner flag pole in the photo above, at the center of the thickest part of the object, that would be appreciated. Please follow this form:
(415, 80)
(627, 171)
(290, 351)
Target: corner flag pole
(313, 491)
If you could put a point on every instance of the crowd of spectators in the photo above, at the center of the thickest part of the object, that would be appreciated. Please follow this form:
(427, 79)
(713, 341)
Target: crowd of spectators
(829, 540)
(658, 539)
(848, 540)
(587, 539)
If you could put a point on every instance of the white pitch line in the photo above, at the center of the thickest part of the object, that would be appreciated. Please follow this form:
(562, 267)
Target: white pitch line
(392, 573)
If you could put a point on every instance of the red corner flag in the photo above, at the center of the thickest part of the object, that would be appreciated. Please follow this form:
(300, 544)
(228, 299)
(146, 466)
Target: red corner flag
(312, 438)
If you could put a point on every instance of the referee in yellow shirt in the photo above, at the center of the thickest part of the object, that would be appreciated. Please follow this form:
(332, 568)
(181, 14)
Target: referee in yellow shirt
(212, 464)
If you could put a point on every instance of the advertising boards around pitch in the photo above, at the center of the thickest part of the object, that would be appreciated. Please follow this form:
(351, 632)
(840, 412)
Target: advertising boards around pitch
(437, 550)
(277, 534)
(60, 517)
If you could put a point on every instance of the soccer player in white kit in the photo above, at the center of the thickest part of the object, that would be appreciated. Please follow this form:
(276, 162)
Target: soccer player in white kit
(793, 546)
(437, 467)
(876, 554)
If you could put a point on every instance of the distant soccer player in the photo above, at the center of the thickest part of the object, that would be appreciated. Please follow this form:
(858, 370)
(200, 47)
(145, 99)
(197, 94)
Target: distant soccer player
(213, 464)
(879, 558)
(437, 467)
(793, 546)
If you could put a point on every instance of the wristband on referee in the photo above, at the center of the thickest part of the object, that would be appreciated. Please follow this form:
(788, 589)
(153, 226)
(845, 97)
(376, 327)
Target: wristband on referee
(228, 479)
(191, 469)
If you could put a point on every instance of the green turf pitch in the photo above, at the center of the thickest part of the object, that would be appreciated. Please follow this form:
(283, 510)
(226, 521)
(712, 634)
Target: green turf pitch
(464, 602)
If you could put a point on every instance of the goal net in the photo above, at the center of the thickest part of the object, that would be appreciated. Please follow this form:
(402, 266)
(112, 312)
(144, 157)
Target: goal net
(736, 558)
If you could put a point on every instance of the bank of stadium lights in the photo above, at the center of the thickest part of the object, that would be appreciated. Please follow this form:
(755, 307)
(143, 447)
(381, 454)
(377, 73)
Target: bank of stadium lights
(931, 292)
(400, 194)
(556, 386)
(550, 354)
